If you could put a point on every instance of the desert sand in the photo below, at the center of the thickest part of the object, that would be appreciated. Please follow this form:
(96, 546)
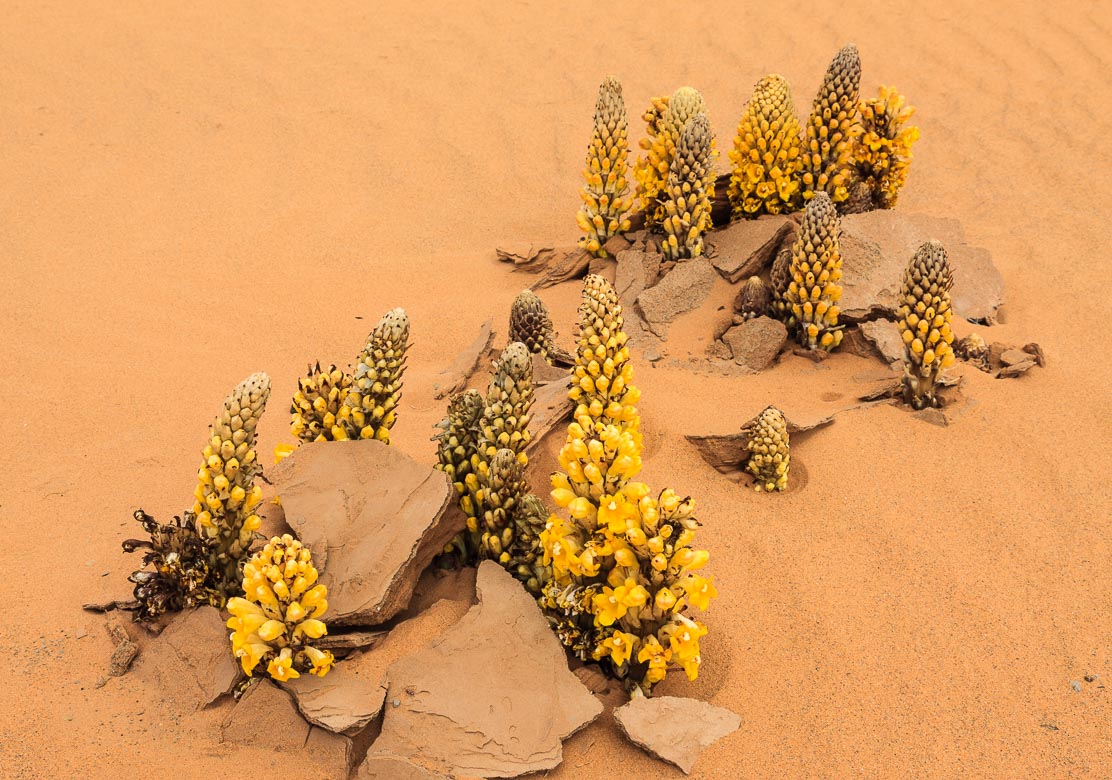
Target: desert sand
(195, 192)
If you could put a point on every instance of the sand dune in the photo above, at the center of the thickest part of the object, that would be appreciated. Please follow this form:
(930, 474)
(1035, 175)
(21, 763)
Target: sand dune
(194, 193)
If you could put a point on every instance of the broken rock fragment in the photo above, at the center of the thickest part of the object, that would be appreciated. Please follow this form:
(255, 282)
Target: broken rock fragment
(374, 519)
(876, 247)
(493, 697)
(675, 729)
(350, 696)
(684, 288)
(192, 659)
(756, 343)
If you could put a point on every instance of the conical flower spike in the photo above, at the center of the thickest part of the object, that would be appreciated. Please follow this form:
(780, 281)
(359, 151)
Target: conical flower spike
(830, 129)
(924, 323)
(371, 405)
(781, 277)
(278, 619)
(531, 325)
(881, 151)
(504, 488)
(458, 441)
(226, 494)
(509, 398)
(686, 197)
(665, 121)
(754, 298)
(769, 456)
(816, 271)
(602, 214)
(767, 155)
(317, 403)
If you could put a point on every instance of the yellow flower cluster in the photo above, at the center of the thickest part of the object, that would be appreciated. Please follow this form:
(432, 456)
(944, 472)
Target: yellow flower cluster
(665, 120)
(602, 214)
(226, 494)
(924, 323)
(767, 154)
(812, 294)
(882, 150)
(280, 613)
(623, 568)
(318, 405)
(831, 128)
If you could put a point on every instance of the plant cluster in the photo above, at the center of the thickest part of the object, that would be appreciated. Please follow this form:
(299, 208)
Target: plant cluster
(623, 568)
(531, 325)
(481, 447)
(279, 615)
(666, 119)
(881, 151)
(767, 156)
(688, 192)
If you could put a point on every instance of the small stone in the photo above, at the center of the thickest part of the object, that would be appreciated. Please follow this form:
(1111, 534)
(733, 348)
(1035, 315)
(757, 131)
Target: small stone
(675, 729)
(885, 336)
(755, 344)
(1092, 677)
(1075, 685)
(682, 290)
(932, 416)
(1013, 357)
(122, 657)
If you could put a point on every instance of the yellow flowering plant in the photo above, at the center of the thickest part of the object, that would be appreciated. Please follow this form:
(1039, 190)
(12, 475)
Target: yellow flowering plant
(280, 613)
(624, 571)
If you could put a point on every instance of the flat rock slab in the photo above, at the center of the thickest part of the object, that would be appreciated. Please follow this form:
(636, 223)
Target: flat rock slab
(885, 336)
(192, 658)
(747, 247)
(266, 718)
(373, 517)
(876, 248)
(755, 343)
(675, 729)
(493, 697)
(350, 696)
(681, 290)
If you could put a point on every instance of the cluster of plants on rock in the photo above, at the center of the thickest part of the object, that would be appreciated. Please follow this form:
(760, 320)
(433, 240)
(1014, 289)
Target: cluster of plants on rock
(855, 150)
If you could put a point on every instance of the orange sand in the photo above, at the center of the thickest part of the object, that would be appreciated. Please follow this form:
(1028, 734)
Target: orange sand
(191, 193)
